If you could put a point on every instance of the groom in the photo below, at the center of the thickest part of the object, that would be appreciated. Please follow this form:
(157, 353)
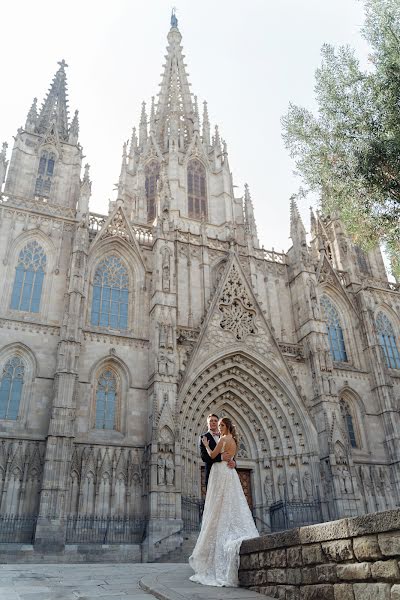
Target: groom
(213, 438)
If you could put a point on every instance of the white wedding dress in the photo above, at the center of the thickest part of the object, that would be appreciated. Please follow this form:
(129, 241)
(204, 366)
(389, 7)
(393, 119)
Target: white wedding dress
(227, 521)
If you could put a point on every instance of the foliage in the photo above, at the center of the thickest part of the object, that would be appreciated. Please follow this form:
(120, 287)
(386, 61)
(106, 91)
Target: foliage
(350, 152)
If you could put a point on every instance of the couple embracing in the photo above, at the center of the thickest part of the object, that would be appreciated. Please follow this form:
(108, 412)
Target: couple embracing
(227, 519)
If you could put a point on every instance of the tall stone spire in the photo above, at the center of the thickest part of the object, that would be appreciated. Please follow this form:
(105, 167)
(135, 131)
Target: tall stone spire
(74, 129)
(249, 220)
(297, 230)
(55, 106)
(31, 118)
(3, 163)
(206, 125)
(143, 126)
(175, 111)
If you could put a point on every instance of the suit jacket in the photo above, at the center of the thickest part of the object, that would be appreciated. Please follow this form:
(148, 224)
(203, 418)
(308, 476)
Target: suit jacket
(203, 451)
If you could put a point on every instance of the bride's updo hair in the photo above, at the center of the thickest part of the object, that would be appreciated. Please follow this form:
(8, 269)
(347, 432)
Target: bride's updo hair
(231, 429)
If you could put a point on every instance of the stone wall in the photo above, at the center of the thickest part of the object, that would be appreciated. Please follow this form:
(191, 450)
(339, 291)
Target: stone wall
(349, 559)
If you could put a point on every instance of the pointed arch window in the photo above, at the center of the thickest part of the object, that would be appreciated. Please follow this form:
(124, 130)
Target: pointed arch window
(106, 399)
(387, 340)
(197, 190)
(45, 174)
(11, 385)
(349, 423)
(29, 275)
(334, 329)
(110, 294)
(152, 172)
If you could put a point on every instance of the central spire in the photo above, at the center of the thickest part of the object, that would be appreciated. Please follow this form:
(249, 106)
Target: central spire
(175, 113)
(55, 107)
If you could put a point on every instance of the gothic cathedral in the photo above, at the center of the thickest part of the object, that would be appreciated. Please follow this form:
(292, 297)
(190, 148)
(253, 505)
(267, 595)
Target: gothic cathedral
(121, 333)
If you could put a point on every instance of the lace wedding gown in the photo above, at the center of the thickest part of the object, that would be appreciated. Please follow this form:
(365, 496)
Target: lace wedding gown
(227, 521)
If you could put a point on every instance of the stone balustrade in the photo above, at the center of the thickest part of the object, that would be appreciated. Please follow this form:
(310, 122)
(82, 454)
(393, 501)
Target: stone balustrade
(349, 559)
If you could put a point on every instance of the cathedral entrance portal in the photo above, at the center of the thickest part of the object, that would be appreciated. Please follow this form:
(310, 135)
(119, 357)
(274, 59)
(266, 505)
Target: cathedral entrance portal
(245, 480)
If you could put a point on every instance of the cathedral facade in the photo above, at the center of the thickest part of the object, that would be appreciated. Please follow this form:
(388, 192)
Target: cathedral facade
(120, 333)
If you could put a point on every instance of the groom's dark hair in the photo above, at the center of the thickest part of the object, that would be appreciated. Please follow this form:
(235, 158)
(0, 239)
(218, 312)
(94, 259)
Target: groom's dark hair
(212, 415)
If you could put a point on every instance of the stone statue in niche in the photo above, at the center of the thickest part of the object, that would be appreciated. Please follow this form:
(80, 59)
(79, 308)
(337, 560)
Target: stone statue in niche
(268, 489)
(170, 469)
(281, 487)
(166, 269)
(307, 485)
(294, 484)
(162, 336)
(313, 299)
(161, 470)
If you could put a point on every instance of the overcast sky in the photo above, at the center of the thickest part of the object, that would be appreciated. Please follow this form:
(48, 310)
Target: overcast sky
(247, 59)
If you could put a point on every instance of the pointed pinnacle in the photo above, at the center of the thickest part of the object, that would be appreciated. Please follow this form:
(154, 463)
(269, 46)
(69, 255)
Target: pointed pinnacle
(205, 112)
(86, 176)
(3, 152)
(133, 144)
(143, 115)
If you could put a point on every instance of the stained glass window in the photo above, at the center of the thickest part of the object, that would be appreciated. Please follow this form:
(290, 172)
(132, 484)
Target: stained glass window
(197, 191)
(106, 395)
(45, 174)
(29, 275)
(110, 294)
(11, 384)
(348, 420)
(334, 329)
(152, 171)
(387, 341)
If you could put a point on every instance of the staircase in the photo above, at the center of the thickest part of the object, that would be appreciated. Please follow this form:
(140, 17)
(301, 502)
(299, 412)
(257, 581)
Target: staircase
(181, 554)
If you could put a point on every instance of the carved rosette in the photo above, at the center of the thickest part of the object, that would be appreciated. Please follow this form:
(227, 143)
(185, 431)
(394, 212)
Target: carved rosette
(238, 311)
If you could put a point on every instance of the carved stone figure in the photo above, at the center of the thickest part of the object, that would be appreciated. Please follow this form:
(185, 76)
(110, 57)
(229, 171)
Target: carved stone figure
(313, 299)
(307, 485)
(294, 484)
(281, 486)
(161, 470)
(166, 268)
(170, 469)
(268, 489)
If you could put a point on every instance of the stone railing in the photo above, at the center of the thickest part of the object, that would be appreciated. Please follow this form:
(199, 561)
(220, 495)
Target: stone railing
(349, 559)
(39, 204)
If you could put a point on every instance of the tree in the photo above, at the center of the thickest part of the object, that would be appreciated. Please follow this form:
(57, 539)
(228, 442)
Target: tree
(350, 152)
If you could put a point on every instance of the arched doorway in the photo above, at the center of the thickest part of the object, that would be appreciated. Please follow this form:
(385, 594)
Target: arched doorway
(278, 452)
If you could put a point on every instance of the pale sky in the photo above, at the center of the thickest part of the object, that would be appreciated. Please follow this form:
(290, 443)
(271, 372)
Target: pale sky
(247, 59)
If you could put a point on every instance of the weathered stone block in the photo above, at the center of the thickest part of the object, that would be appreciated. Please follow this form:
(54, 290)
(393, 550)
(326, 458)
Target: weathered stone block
(366, 547)
(309, 575)
(254, 561)
(385, 569)
(395, 592)
(326, 573)
(277, 558)
(354, 571)
(317, 592)
(293, 576)
(388, 520)
(338, 551)
(292, 592)
(324, 532)
(294, 556)
(312, 554)
(246, 578)
(343, 591)
(389, 543)
(263, 559)
(259, 577)
(276, 576)
(245, 561)
(371, 591)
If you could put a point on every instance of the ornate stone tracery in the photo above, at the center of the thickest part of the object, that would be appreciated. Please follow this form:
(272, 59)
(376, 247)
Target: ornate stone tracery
(238, 312)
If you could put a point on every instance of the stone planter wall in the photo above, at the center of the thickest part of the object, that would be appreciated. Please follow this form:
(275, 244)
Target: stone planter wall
(349, 559)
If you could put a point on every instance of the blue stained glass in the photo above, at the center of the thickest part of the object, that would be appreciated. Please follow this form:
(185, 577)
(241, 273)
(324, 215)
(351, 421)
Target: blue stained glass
(29, 275)
(45, 174)
(11, 385)
(106, 400)
(387, 341)
(334, 329)
(110, 294)
(348, 419)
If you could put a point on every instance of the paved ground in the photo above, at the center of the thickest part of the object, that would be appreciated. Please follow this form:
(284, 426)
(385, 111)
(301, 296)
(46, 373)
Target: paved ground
(109, 582)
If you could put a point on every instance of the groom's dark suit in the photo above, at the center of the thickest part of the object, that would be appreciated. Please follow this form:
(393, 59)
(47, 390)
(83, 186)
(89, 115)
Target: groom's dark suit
(204, 454)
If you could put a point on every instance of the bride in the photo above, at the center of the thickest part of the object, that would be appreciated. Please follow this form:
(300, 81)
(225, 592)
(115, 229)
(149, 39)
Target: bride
(227, 519)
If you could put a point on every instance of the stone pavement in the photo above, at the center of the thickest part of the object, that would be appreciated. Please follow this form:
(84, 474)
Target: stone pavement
(139, 581)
